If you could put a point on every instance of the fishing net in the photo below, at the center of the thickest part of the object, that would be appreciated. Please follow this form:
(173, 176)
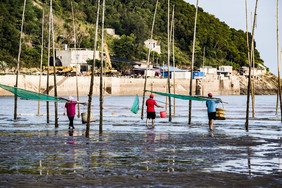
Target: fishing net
(135, 106)
(30, 95)
(184, 97)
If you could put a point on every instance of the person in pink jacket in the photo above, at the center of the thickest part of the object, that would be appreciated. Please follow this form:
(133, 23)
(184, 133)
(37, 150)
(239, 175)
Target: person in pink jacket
(70, 106)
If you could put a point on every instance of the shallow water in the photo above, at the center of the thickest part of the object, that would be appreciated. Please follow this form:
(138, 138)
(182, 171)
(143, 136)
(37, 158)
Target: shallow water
(30, 146)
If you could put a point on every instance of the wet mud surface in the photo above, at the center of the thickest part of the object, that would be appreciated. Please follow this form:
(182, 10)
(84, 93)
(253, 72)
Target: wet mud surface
(142, 159)
(127, 154)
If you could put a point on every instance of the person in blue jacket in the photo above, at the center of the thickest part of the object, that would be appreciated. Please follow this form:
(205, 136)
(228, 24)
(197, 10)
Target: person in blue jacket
(211, 104)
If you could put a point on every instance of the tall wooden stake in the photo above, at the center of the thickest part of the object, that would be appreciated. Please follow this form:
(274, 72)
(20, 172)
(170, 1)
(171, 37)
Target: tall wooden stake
(76, 72)
(54, 67)
(101, 72)
(41, 60)
(18, 63)
(247, 33)
(253, 89)
(278, 91)
(168, 60)
(250, 67)
(92, 74)
(166, 90)
(278, 61)
(173, 60)
(49, 49)
(192, 66)
(148, 60)
(252, 63)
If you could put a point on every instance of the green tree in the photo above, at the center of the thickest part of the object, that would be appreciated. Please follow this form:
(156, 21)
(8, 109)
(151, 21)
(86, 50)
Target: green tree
(124, 47)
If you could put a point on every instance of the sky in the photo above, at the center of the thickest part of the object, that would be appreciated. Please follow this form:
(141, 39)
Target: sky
(233, 13)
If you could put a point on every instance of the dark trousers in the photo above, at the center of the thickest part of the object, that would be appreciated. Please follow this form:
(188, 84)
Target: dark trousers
(71, 121)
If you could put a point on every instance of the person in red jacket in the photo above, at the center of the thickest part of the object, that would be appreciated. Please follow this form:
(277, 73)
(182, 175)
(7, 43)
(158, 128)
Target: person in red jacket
(151, 114)
(70, 106)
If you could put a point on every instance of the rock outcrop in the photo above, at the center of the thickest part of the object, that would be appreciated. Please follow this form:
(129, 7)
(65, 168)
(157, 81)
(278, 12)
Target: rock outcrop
(264, 85)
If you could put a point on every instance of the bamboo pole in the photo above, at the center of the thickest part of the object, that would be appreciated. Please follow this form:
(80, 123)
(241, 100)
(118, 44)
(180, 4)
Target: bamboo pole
(148, 60)
(192, 66)
(47, 84)
(166, 100)
(277, 100)
(249, 78)
(253, 84)
(41, 60)
(18, 63)
(173, 60)
(76, 72)
(247, 33)
(278, 90)
(92, 73)
(101, 72)
(168, 60)
(252, 77)
(278, 62)
(54, 67)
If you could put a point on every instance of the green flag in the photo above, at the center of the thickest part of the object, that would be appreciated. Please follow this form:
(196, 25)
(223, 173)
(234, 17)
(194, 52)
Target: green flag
(135, 106)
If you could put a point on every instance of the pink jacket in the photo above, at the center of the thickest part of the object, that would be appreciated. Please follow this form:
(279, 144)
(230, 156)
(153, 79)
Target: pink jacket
(71, 108)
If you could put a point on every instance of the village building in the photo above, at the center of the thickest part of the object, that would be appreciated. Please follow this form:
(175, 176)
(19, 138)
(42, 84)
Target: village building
(153, 45)
(224, 72)
(76, 57)
(260, 71)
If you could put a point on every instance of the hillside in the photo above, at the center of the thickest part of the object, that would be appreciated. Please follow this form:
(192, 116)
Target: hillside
(132, 20)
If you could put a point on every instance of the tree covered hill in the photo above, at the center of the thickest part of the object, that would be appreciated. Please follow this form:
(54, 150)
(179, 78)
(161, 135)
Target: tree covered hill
(132, 20)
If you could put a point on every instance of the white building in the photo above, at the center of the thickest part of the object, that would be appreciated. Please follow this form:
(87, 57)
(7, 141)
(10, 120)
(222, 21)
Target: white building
(225, 69)
(257, 71)
(71, 57)
(208, 70)
(181, 75)
(153, 45)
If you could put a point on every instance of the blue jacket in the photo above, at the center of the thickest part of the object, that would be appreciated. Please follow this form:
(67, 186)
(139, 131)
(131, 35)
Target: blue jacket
(211, 105)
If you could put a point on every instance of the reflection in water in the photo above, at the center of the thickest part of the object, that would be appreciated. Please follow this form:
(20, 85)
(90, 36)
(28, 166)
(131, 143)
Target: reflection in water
(279, 155)
(70, 132)
(249, 161)
(70, 138)
(151, 137)
(170, 167)
(154, 159)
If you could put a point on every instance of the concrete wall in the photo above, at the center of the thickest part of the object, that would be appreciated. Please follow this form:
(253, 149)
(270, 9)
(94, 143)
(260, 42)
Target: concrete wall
(122, 86)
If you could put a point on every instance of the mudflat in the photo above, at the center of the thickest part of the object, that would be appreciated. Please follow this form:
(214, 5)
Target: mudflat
(66, 158)
(127, 154)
